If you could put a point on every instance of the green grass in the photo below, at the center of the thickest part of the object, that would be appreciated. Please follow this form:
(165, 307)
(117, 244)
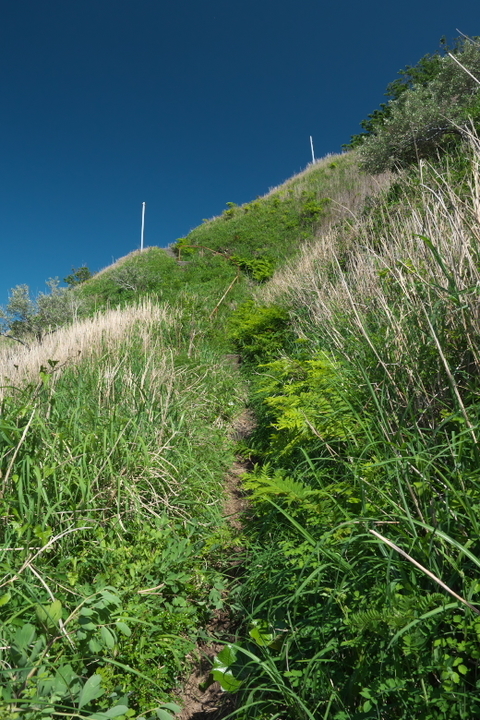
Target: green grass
(272, 228)
(102, 529)
(364, 535)
(358, 595)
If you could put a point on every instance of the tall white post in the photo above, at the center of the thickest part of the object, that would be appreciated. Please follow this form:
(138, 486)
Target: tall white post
(311, 145)
(143, 226)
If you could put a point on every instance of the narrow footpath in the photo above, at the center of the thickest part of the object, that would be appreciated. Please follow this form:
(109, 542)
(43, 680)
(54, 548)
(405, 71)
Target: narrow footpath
(213, 703)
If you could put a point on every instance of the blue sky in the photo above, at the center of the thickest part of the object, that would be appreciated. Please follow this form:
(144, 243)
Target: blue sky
(183, 104)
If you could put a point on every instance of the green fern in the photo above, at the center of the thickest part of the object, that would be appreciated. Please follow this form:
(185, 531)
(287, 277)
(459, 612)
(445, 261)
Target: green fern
(263, 484)
(402, 611)
(307, 399)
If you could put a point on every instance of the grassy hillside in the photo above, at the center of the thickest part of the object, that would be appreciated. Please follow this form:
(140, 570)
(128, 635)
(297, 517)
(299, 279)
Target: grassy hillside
(247, 241)
(353, 302)
(112, 463)
(364, 565)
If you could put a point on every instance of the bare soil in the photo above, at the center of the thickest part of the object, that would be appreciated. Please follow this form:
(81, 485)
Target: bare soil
(213, 703)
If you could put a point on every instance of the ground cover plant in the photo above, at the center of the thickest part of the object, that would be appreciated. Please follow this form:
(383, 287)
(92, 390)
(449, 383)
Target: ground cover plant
(352, 301)
(108, 571)
(362, 585)
(260, 235)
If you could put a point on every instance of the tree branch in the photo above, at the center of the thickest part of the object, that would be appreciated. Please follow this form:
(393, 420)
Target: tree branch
(12, 337)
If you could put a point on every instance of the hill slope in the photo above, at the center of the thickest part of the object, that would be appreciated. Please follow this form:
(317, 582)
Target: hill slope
(353, 303)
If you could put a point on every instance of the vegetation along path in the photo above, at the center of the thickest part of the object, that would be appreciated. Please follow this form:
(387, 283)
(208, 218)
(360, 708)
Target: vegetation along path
(133, 571)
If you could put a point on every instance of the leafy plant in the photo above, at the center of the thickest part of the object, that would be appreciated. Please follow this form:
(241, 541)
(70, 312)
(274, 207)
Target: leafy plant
(23, 319)
(430, 115)
(78, 276)
(259, 268)
(258, 331)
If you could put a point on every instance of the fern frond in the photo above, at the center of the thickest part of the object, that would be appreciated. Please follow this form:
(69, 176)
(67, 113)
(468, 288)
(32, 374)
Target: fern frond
(262, 485)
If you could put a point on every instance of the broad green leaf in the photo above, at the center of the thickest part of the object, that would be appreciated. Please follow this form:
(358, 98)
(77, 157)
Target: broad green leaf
(112, 713)
(94, 646)
(107, 637)
(221, 669)
(63, 678)
(90, 691)
(55, 611)
(227, 656)
(86, 623)
(226, 679)
(261, 633)
(5, 598)
(49, 614)
(123, 627)
(41, 614)
(172, 706)
(163, 714)
(24, 636)
(107, 598)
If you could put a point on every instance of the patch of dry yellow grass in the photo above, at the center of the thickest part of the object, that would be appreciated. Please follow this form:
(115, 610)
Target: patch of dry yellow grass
(91, 336)
(348, 272)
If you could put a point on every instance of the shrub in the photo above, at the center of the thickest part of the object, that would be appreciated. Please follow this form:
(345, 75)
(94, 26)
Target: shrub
(426, 118)
(258, 331)
(259, 268)
(23, 318)
(78, 276)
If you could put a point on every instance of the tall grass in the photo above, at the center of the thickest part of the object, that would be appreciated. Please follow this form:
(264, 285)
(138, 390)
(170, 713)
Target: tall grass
(112, 464)
(364, 572)
(84, 339)
(413, 275)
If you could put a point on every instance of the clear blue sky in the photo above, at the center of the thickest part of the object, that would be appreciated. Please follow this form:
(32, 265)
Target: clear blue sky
(184, 104)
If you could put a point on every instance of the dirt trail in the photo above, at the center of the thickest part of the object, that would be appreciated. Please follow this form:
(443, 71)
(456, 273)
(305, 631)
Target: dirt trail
(213, 703)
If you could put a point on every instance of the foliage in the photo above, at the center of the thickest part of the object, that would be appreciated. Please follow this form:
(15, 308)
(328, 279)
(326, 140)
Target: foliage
(141, 273)
(419, 75)
(259, 268)
(109, 584)
(258, 331)
(431, 106)
(358, 595)
(78, 276)
(24, 319)
(307, 399)
(364, 550)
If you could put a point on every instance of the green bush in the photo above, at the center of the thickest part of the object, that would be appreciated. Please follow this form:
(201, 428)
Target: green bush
(259, 268)
(305, 400)
(78, 276)
(257, 331)
(427, 117)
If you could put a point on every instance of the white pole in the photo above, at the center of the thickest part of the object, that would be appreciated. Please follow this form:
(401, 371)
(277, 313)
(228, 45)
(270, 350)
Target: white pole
(143, 225)
(311, 145)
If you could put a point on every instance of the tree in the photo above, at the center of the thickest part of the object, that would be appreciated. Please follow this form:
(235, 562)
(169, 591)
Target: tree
(429, 106)
(24, 319)
(426, 118)
(78, 276)
(418, 75)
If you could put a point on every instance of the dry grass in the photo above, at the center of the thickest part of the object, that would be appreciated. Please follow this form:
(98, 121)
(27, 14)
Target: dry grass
(92, 336)
(340, 179)
(386, 270)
